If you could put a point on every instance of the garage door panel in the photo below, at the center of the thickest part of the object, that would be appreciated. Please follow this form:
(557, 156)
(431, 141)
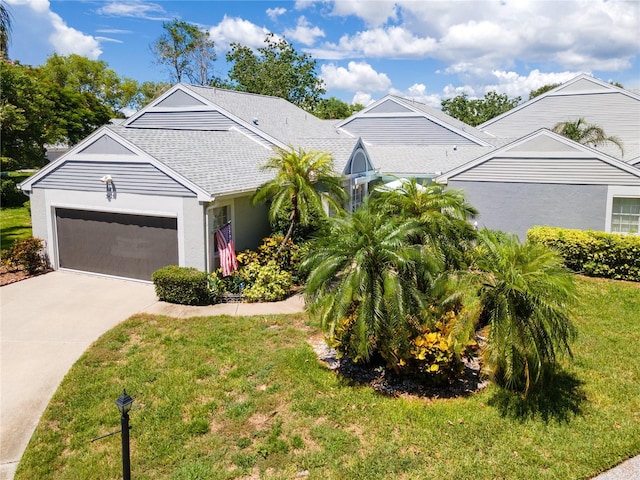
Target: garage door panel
(132, 246)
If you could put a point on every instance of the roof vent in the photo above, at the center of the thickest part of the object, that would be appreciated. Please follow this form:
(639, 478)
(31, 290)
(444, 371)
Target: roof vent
(255, 120)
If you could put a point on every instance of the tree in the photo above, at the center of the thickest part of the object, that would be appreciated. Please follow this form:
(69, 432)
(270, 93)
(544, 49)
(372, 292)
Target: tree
(332, 109)
(149, 91)
(186, 50)
(541, 90)
(476, 111)
(277, 70)
(84, 75)
(5, 30)
(303, 180)
(444, 215)
(586, 133)
(363, 284)
(525, 297)
(35, 112)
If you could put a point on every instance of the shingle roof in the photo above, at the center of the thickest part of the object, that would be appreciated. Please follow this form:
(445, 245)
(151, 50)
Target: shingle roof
(421, 159)
(219, 162)
(275, 116)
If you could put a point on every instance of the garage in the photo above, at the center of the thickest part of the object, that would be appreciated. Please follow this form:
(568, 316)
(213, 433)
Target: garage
(122, 245)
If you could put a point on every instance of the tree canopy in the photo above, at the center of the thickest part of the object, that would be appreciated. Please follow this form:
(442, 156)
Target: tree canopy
(35, 111)
(476, 111)
(186, 50)
(542, 89)
(276, 69)
(5, 30)
(83, 75)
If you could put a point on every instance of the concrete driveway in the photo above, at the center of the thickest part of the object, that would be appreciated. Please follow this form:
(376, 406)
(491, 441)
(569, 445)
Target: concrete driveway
(46, 323)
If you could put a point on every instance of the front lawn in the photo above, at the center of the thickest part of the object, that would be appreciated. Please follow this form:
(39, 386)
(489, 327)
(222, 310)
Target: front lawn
(15, 224)
(225, 398)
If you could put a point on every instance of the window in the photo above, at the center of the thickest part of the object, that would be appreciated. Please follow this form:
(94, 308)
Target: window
(217, 217)
(625, 215)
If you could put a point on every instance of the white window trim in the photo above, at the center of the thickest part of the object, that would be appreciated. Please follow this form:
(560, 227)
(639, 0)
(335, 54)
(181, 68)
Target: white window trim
(615, 191)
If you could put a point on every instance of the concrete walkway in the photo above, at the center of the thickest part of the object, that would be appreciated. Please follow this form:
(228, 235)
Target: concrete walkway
(47, 322)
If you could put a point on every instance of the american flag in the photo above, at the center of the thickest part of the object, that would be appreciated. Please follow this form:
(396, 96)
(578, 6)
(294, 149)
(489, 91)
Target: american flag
(226, 251)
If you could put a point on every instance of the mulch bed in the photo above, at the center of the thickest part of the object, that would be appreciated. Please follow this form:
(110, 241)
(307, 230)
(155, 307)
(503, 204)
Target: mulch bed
(13, 275)
(387, 382)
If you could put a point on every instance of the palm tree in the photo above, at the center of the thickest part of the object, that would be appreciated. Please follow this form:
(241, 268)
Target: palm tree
(445, 216)
(5, 30)
(525, 298)
(363, 284)
(303, 181)
(586, 133)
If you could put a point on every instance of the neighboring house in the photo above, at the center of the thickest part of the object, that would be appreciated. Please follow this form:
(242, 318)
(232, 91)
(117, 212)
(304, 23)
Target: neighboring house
(153, 189)
(546, 179)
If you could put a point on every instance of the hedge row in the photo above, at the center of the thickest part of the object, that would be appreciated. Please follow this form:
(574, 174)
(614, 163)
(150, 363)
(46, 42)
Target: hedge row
(597, 254)
(186, 286)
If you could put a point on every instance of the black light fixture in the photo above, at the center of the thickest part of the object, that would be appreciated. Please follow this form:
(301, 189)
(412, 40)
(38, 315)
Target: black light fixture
(124, 403)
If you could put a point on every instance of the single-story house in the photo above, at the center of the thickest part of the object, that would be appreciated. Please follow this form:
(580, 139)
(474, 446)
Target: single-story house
(153, 189)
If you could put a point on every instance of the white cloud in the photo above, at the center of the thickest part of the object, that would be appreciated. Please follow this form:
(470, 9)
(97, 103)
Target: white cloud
(569, 34)
(391, 42)
(373, 13)
(236, 30)
(135, 9)
(63, 38)
(304, 32)
(358, 76)
(418, 93)
(362, 98)
(274, 13)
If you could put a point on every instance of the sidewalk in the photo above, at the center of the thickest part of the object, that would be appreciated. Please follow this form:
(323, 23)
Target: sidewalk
(293, 304)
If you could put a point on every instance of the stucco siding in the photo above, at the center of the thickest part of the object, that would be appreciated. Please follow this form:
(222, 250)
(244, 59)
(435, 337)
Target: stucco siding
(516, 207)
(404, 130)
(38, 214)
(187, 211)
(194, 234)
(588, 171)
(251, 223)
(128, 177)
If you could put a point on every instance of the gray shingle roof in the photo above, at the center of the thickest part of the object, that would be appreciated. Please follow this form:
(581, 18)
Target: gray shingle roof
(219, 162)
(275, 116)
(421, 159)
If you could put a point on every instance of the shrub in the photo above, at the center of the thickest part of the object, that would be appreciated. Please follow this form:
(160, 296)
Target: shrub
(29, 254)
(267, 283)
(10, 194)
(183, 285)
(288, 259)
(597, 254)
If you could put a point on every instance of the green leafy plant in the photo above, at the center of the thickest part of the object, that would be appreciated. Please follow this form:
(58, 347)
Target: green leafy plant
(182, 285)
(597, 254)
(10, 194)
(268, 283)
(29, 254)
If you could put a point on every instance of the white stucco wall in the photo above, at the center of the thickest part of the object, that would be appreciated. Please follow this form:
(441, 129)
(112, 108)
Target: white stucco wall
(188, 212)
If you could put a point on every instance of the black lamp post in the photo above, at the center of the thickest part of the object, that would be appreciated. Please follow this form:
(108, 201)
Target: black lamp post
(124, 403)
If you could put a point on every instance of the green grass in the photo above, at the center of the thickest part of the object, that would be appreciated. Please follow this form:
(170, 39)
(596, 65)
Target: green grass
(15, 224)
(227, 398)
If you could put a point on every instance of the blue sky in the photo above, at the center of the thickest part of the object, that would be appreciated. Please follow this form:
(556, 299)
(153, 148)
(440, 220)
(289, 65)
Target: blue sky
(422, 49)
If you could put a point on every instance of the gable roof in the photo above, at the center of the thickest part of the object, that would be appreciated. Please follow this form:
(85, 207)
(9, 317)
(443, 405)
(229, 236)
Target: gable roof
(614, 109)
(546, 157)
(106, 144)
(395, 120)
